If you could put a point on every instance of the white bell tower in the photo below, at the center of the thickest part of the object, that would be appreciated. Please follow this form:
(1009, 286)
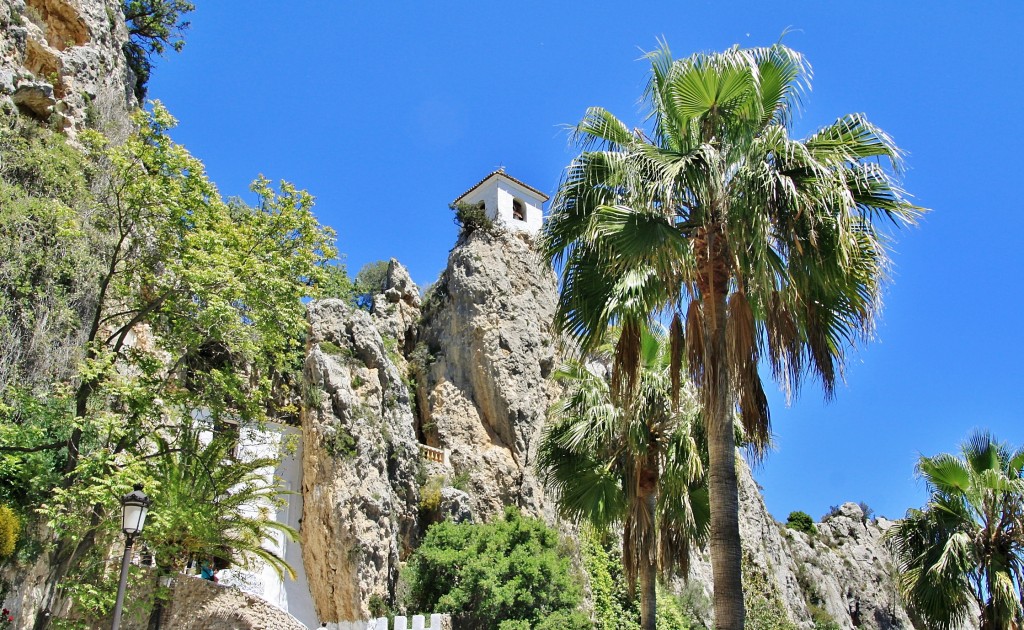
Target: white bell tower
(508, 202)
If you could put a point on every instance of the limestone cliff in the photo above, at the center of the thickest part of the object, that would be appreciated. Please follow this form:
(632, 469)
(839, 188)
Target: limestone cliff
(478, 353)
(360, 458)
(61, 61)
(842, 572)
(484, 391)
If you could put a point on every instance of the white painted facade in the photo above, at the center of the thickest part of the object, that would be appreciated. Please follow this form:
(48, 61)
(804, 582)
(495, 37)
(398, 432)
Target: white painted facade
(261, 580)
(508, 202)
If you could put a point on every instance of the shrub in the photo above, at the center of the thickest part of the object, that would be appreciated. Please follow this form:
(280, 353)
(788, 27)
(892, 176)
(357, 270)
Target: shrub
(511, 570)
(470, 218)
(801, 522)
(10, 528)
(822, 619)
(765, 607)
(430, 494)
(868, 512)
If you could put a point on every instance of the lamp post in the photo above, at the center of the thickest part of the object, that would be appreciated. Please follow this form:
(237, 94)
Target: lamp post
(134, 506)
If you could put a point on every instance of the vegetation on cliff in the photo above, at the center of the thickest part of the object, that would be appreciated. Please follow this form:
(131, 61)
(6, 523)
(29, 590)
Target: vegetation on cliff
(633, 462)
(135, 296)
(511, 573)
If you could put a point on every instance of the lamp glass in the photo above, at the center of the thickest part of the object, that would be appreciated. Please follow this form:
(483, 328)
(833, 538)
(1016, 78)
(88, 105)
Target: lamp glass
(133, 517)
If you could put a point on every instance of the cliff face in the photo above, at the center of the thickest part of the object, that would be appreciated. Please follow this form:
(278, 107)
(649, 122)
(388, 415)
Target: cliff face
(478, 354)
(61, 61)
(841, 573)
(484, 391)
(360, 458)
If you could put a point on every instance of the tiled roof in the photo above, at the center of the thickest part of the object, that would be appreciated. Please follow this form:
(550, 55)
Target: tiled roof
(501, 172)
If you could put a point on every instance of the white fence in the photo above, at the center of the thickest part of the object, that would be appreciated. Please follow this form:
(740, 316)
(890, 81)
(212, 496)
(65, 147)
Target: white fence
(437, 622)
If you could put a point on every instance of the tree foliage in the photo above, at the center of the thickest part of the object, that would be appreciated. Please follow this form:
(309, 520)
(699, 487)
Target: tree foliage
(175, 301)
(512, 571)
(213, 502)
(801, 522)
(10, 530)
(756, 246)
(153, 27)
(967, 545)
(370, 281)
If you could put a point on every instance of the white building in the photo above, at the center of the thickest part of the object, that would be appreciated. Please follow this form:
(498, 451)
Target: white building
(274, 440)
(508, 202)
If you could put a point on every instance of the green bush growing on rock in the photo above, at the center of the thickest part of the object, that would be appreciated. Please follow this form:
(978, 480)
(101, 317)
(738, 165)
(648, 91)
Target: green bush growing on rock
(801, 522)
(510, 570)
(765, 608)
(471, 217)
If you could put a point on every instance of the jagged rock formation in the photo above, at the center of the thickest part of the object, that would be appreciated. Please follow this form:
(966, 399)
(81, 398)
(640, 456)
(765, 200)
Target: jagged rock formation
(359, 463)
(484, 390)
(846, 568)
(61, 61)
(481, 357)
(843, 570)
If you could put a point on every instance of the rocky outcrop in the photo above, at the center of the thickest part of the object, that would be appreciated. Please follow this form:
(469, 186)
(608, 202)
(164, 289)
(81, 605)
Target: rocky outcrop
(841, 573)
(360, 461)
(202, 605)
(480, 352)
(483, 388)
(61, 62)
(396, 310)
(846, 571)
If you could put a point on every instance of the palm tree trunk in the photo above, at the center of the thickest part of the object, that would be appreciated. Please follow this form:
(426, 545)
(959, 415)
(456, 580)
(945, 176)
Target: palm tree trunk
(726, 550)
(648, 571)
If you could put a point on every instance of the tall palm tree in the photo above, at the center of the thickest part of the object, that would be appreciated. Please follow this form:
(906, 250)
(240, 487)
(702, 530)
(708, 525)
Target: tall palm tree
(633, 462)
(967, 544)
(755, 246)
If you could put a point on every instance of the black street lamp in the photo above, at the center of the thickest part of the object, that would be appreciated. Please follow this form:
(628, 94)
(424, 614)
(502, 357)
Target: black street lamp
(134, 506)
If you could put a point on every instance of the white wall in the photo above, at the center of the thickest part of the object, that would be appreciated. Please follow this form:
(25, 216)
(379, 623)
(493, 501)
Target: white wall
(507, 192)
(292, 596)
(497, 193)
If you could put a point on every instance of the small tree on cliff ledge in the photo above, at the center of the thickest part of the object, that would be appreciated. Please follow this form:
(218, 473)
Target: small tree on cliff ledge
(153, 26)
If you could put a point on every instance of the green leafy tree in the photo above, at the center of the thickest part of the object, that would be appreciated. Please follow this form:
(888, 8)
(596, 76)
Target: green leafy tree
(756, 246)
(370, 281)
(153, 27)
(511, 571)
(967, 545)
(633, 462)
(191, 303)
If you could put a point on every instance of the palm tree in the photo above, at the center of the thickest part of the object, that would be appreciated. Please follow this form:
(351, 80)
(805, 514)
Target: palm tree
(755, 246)
(210, 504)
(967, 544)
(633, 462)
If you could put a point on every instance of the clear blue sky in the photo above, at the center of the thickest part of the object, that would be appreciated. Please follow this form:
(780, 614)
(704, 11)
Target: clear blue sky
(386, 111)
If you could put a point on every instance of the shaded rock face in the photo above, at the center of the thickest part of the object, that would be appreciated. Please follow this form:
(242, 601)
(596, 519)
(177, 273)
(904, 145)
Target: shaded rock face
(484, 391)
(360, 461)
(61, 61)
